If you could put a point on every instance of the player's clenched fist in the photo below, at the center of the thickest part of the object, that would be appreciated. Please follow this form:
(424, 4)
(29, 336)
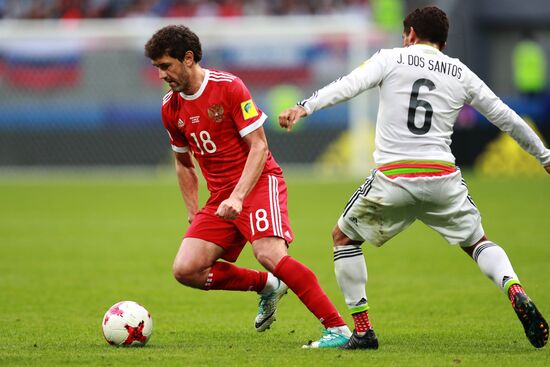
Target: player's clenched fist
(290, 116)
(229, 208)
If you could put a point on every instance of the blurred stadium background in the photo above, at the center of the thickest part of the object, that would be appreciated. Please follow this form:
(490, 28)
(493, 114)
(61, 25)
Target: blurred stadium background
(77, 92)
(79, 100)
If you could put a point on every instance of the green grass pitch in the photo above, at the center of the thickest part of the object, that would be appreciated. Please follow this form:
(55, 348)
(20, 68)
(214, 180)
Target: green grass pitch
(70, 247)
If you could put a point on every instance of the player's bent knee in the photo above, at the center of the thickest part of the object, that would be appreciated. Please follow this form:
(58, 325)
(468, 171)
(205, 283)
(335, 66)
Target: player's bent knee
(470, 249)
(269, 252)
(268, 260)
(340, 239)
(184, 274)
(335, 233)
(180, 276)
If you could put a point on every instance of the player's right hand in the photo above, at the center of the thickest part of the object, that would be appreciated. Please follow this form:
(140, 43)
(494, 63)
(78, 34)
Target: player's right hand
(290, 116)
(547, 168)
(230, 208)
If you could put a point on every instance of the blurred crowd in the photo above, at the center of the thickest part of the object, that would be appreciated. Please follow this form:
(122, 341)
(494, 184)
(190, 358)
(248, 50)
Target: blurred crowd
(76, 9)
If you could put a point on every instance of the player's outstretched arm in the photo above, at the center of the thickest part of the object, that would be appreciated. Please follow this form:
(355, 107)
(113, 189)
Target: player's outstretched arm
(507, 120)
(364, 77)
(290, 116)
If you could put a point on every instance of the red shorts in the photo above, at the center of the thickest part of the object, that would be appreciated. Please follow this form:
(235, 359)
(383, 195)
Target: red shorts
(264, 214)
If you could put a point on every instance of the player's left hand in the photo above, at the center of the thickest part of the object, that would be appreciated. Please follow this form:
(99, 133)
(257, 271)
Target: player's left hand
(547, 168)
(230, 208)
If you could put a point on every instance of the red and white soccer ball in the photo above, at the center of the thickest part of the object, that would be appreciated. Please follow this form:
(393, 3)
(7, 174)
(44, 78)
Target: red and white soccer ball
(127, 324)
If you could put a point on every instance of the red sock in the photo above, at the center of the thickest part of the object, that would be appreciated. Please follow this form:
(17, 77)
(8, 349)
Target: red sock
(229, 277)
(361, 321)
(305, 285)
(513, 290)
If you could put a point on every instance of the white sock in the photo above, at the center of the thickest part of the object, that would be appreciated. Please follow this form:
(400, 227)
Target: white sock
(271, 284)
(493, 262)
(344, 330)
(351, 274)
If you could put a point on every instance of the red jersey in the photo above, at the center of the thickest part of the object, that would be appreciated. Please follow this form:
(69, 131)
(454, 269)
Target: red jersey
(212, 123)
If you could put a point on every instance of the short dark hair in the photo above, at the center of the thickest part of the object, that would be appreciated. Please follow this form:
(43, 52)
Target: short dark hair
(429, 23)
(175, 41)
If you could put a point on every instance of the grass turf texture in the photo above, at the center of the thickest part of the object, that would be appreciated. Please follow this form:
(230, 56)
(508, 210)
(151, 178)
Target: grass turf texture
(70, 248)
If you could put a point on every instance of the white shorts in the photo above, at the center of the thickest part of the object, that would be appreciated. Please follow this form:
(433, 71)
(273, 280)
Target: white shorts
(382, 207)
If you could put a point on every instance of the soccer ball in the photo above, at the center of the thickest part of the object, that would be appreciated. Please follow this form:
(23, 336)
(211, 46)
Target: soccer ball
(127, 324)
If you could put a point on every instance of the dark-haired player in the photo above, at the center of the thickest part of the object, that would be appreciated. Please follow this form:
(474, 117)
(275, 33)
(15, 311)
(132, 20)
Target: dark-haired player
(210, 116)
(421, 93)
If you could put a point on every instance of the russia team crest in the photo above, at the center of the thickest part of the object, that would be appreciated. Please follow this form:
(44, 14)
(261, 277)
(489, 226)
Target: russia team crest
(215, 112)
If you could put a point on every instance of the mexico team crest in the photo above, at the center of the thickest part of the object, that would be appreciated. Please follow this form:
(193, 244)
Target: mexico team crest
(215, 112)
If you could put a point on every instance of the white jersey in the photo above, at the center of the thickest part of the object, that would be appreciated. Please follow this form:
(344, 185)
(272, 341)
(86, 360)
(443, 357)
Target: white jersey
(421, 93)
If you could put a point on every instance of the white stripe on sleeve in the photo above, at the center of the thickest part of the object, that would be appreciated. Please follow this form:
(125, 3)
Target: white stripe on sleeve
(180, 149)
(250, 128)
